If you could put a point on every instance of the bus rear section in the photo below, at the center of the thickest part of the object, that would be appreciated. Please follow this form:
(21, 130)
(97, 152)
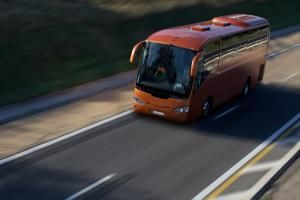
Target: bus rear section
(186, 71)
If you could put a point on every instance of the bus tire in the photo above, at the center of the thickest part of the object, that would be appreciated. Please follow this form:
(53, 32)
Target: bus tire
(206, 108)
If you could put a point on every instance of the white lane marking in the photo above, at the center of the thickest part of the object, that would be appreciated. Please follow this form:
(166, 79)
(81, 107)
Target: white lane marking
(292, 139)
(90, 187)
(267, 177)
(259, 167)
(246, 159)
(64, 137)
(290, 76)
(225, 112)
(233, 196)
(283, 50)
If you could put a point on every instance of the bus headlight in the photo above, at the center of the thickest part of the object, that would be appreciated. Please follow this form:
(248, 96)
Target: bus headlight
(182, 109)
(137, 100)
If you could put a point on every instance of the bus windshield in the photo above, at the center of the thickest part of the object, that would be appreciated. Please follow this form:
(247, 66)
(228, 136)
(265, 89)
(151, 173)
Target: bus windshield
(165, 70)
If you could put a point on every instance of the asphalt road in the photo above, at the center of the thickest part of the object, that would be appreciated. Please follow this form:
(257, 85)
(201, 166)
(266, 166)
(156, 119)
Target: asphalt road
(157, 159)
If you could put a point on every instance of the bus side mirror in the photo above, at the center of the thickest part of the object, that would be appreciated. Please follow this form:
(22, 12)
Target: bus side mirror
(134, 50)
(194, 65)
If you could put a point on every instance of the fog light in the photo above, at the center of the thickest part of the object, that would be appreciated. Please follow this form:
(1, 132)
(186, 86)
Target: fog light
(182, 109)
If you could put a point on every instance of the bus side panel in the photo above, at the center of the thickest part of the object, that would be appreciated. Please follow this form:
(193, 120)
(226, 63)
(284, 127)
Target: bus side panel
(240, 62)
(247, 66)
(227, 72)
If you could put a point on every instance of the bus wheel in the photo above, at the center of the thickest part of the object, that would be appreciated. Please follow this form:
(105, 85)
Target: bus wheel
(246, 88)
(206, 108)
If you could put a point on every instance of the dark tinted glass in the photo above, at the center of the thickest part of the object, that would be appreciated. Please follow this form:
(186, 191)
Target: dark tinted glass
(166, 69)
(243, 42)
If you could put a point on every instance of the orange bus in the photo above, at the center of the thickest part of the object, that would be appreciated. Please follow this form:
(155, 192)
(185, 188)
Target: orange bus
(186, 71)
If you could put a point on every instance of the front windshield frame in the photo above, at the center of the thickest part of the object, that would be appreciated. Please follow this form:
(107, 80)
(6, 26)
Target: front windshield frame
(174, 65)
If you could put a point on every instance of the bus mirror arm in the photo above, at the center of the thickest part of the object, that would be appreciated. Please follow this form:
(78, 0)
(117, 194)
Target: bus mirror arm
(134, 50)
(194, 65)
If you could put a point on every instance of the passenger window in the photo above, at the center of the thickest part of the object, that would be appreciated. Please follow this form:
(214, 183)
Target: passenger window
(208, 62)
(243, 42)
(231, 41)
(229, 46)
(211, 56)
(198, 78)
(211, 47)
(210, 50)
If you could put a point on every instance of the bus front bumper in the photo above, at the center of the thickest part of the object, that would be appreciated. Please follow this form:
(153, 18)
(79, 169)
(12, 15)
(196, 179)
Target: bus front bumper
(166, 113)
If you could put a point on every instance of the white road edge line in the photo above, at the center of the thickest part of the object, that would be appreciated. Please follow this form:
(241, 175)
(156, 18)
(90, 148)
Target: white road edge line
(283, 50)
(90, 187)
(225, 112)
(246, 159)
(233, 196)
(61, 138)
(259, 167)
(290, 76)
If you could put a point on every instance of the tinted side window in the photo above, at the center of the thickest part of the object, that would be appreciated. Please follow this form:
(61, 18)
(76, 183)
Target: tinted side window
(211, 48)
(211, 53)
(228, 46)
(242, 42)
(209, 61)
(231, 41)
